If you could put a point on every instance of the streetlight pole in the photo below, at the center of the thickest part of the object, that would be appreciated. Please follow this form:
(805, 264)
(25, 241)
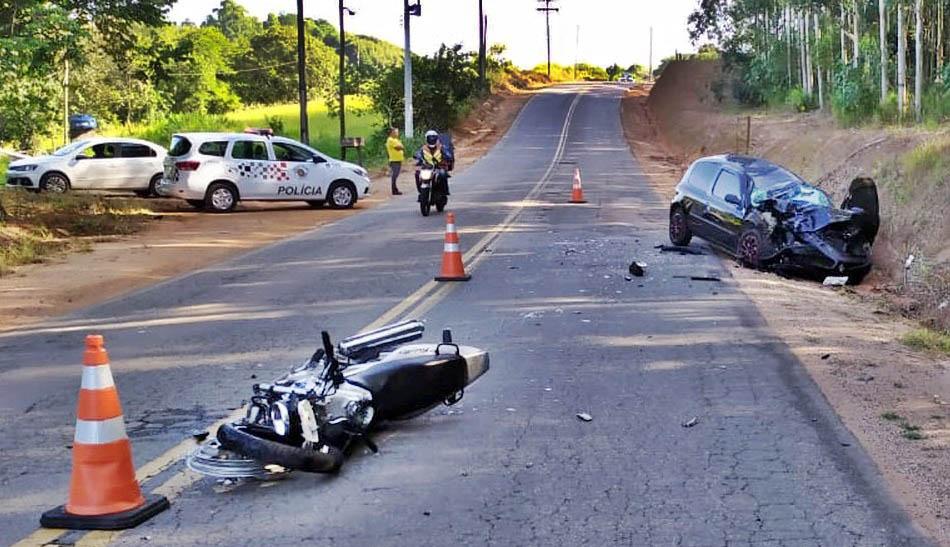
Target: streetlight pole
(343, 11)
(302, 75)
(547, 9)
(407, 13)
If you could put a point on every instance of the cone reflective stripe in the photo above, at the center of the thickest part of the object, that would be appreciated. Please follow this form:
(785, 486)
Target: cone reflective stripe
(577, 191)
(452, 267)
(103, 492)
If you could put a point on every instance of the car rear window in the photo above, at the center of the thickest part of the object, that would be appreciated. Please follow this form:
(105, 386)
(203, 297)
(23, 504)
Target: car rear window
(137, 151)
(728, 183)
(180, 146)
(249, 150)
(703, 175)
(213, 148)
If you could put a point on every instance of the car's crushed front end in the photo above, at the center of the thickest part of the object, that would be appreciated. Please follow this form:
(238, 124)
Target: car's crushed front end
(804, 234)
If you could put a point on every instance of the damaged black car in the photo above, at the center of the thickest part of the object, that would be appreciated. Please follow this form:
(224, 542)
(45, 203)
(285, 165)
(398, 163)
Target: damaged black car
(770, 218)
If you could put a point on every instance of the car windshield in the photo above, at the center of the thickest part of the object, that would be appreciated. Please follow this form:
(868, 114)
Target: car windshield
(800, 193)
(766, 175)
(70, 148)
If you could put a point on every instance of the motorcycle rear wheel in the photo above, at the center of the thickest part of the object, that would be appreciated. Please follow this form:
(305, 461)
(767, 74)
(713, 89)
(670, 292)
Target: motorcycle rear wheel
(239, 438)
(440, 203)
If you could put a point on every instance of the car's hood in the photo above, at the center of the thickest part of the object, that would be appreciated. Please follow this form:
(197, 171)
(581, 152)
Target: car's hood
(352, 167)
(33, 161)
(806, 208)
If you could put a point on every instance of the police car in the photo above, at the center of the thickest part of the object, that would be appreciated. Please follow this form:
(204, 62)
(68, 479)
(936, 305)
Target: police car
(216, 170)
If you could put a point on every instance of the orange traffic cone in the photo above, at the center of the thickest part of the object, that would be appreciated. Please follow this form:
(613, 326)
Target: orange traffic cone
(452, 267)
(103, 492)
(577, 192)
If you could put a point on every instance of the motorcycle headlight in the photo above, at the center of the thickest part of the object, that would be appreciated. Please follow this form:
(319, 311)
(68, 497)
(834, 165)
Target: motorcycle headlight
(280, 418)
(360, 413)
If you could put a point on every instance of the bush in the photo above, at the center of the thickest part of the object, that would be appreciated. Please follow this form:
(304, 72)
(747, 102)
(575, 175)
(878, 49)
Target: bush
(928, 340)
(800, 101)
(853, 99)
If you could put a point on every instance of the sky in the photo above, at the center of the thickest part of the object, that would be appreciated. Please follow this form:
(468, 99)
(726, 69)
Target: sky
(601, 32)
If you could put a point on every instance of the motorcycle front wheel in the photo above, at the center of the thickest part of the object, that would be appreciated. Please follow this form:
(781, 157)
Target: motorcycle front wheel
(256, 443)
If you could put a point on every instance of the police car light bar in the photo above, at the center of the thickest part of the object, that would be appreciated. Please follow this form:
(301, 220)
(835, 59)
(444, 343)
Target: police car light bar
(264, 132)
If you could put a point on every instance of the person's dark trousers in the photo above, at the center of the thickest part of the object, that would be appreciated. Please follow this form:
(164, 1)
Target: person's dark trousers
(395, 167)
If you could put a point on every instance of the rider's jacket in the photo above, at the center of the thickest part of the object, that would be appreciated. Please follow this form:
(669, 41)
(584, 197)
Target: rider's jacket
(430, 156)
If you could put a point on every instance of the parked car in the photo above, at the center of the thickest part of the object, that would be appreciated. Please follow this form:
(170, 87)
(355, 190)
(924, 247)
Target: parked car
(92, 164)
(80, 124)
(216, 170)
(770, 218)
(626, 78)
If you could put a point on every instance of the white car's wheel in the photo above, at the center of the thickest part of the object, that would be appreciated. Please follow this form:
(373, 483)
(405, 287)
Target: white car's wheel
(54, 183)
(342, 195)
(221, 197)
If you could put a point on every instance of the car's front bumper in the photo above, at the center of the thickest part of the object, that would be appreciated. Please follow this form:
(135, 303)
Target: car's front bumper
(23, 179)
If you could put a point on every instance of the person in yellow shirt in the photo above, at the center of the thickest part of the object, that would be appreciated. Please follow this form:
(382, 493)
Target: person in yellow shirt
(397, 154)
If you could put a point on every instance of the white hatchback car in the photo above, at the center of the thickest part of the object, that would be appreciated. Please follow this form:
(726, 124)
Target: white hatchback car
(99, 163)
(216, 170)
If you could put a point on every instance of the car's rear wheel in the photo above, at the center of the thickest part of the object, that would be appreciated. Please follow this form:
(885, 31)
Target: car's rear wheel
(749, 251)
(54, 183)
(221, 197)
(342, 195)
(680, 233)
(153, 185)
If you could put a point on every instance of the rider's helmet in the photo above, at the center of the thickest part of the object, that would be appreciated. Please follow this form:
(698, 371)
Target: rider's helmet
(432, 137)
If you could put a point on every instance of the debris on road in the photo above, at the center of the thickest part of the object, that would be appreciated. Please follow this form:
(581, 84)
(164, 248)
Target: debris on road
(682, 250)
(636, 269)
(585, 417)
(698, 277)
(835, 281)
(199, 435)
(825, 357)
(691, 422)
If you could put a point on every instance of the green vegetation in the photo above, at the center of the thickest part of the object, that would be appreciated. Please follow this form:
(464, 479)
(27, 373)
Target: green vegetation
(928, 340)
(570, 73)
(911, 432)
(4, 161)
(860, 59)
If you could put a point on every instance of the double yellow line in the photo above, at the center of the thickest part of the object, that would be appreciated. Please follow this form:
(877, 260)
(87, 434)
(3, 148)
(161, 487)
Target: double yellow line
(415, 305)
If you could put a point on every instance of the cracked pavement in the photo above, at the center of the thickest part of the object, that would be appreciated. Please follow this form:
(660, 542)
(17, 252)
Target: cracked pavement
(767, 463)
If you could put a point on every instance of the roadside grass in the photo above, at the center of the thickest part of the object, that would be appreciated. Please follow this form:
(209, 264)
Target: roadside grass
(908, 431)
(4, 161)
(928, 340)
(42, 225)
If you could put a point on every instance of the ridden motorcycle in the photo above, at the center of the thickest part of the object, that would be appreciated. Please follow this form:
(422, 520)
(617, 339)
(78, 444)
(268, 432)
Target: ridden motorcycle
(309, 417)
(433, 188)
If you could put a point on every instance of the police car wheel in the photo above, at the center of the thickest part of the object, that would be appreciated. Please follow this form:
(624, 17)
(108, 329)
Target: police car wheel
(220, 198)
(342, 195)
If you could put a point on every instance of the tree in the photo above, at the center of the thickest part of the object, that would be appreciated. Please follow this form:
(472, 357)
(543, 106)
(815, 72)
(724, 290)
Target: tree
(882, 26)
(233, 21)
(918, 61)
(613, 71)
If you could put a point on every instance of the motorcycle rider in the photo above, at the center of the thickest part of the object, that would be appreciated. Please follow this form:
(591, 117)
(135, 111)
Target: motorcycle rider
(431, 155)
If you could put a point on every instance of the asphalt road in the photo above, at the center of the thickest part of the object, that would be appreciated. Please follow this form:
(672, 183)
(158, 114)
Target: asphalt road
(766, 463)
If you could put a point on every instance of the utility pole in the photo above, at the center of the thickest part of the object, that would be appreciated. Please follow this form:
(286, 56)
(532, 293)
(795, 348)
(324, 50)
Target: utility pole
(302, 75)
(66, 104)
(547, 9)
(481, 44)
(343, 11)
(407, 13)
(651, 54)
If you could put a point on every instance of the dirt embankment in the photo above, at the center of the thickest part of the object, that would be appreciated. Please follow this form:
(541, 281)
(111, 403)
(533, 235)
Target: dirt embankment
(894, 399)
(175, 239)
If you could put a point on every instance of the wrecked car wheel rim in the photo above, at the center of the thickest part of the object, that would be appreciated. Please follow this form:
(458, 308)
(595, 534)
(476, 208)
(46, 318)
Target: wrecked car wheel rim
(677, 226)
(749, 250)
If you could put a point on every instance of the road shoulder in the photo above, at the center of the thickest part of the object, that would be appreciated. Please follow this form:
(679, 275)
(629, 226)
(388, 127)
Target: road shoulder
(884, 392)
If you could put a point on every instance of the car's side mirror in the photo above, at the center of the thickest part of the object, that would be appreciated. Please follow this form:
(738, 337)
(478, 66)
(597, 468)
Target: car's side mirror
(733, 199)
(319, 159)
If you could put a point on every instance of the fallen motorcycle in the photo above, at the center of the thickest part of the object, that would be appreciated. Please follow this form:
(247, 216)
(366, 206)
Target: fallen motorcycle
(308, 418)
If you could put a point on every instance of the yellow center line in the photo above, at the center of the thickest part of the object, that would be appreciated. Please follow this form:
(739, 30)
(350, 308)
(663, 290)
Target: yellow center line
(419, 302)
